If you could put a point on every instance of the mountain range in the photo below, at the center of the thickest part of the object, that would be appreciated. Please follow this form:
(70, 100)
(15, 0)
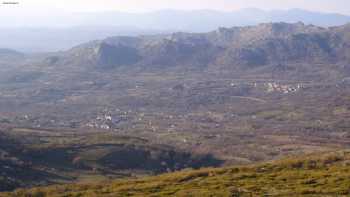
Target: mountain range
(63, 31)
(274, 44)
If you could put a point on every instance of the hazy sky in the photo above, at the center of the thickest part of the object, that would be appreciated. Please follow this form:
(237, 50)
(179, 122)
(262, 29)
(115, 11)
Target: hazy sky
(63, 12)
(36, 7)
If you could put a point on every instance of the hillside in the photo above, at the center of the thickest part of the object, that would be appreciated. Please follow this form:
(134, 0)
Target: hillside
(34, 157)
(324, 174)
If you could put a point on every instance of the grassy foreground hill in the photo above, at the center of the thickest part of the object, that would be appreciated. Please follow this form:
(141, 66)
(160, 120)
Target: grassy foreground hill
(326, 174)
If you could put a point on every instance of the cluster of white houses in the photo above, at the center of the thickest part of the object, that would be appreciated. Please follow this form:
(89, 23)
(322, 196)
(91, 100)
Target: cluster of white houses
(275, 87)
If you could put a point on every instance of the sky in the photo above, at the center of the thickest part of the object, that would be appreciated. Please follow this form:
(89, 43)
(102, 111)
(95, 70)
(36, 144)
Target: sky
(39, 7)
(61, 13)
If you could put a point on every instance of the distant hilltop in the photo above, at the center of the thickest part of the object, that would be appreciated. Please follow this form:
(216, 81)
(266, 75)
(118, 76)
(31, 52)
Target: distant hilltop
(60, 32)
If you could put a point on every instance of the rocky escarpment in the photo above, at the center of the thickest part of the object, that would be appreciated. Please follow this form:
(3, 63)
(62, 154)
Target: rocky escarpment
(251, 46)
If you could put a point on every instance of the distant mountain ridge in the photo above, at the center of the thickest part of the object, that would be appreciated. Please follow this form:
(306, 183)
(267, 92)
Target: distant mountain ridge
(9, 54)
(251, 46)
(83, 27)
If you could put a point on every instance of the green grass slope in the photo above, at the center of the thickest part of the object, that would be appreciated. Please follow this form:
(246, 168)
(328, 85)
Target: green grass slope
(326, 174)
